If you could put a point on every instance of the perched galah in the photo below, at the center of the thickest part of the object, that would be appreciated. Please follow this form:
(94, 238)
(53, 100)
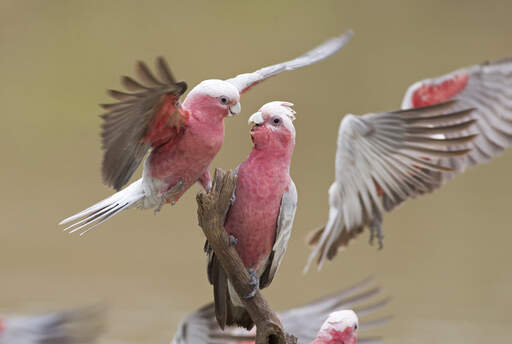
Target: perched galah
(183, 138)
(68, 327)
(383, 159)
(303, 322)
(261, 216)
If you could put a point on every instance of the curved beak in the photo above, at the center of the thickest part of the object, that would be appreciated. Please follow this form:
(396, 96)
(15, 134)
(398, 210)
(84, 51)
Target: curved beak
(235, 109)
(256, 118)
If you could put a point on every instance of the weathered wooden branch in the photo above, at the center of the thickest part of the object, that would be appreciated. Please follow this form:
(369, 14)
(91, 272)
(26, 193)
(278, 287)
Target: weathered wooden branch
(212, 210)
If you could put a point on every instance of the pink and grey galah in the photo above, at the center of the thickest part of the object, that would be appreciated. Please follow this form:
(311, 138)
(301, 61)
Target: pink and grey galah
(383, 159)
(261, 217)
(183, 138)
(66, 327)
(304, 322)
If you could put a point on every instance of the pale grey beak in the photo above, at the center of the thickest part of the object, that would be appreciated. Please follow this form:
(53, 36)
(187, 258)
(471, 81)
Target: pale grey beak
(235, 109)
(256, 118)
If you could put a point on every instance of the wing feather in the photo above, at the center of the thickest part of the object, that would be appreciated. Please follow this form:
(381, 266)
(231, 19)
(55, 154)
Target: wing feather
(244, 82)
(383, 159)
(303, 322)
(283, 231)
(487, 88)
(143, 119)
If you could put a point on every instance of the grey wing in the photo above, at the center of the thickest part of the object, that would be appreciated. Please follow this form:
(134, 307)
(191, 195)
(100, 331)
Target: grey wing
(283, 232)
(383, 159)
(195, 329)
(245, 81)
(68, 327)
(128, 122)
(487, 88)
(365, 299)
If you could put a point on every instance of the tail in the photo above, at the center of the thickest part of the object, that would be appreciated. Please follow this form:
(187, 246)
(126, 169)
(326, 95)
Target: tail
(95, 215)
(226, 311)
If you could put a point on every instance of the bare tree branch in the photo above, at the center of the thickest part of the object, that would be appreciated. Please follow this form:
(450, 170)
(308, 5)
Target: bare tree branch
(212, 210)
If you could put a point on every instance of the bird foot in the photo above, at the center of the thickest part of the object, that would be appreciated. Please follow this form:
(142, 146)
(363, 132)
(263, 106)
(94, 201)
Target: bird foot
(232, 240)
(254, 283)
(169, 195)
(376, 231)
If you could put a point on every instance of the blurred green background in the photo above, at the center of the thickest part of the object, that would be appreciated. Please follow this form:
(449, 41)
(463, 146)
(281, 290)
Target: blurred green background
(446, 255)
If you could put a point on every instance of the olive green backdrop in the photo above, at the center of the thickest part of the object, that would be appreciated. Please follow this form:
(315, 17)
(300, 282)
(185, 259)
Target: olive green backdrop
(447, 256)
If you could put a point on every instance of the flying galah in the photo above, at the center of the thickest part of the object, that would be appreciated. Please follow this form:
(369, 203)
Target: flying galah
(182, 139)
(383, 159)
(261, 216)
(303, 322)
(68, 327)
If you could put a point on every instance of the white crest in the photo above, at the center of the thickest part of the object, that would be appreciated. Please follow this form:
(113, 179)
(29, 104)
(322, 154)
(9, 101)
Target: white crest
(340, 320)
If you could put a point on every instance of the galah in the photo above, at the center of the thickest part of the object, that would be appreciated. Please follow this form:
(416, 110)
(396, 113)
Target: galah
(182, 139)
(340, 328)
(304, 322)
(261, 217)
(67, 327)
(382, 159)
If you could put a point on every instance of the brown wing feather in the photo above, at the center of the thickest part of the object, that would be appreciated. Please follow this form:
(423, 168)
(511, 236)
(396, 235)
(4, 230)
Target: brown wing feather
(145, 118)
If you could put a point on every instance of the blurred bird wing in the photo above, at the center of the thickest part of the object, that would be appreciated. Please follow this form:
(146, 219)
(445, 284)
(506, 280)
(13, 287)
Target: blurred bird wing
(381, 160)
(488, 89)
(68, 327)
(244, 82)
(195, 329)
(146, 118)
(283, 231)
(305, 321)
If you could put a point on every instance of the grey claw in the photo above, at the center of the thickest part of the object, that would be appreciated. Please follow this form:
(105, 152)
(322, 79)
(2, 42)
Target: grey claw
(254, 283)
(232, 240)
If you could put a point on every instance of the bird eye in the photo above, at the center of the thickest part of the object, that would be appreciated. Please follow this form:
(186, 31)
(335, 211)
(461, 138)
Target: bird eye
(224, 100)
(276, 120)
(355, 327)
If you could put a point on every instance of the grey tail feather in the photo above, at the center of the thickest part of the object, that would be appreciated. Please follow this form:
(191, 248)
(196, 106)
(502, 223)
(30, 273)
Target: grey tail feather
(220, 293)
(226, 313)
(238, 316)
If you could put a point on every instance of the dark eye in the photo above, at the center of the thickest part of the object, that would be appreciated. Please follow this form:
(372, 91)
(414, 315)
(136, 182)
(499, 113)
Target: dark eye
(276, 120)
(224, 100)
(355, 327)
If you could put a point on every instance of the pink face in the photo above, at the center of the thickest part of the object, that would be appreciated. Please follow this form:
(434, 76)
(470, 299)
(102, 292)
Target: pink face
(273, 131)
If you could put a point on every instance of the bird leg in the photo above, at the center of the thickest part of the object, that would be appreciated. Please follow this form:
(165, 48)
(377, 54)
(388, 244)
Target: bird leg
(254, 283)
(205, 180)
(169, 195)
(232, 240)
(376, 230)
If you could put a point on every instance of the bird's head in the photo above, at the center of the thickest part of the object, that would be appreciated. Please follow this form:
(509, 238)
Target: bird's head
(216, 98)
(339, 328)
(272, 126)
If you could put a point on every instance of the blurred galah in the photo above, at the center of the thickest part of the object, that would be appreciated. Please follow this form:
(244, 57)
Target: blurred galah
(304, 322)
(182, 139)
(339, 328)
(261, 217)
(68, 327)
(385, 158)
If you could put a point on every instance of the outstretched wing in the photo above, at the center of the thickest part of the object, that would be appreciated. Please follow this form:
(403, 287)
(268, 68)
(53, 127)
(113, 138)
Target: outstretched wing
(283, 231)
(303, 322)
(488, 89)
(243, 82)
(383, 159)
(147, 117)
